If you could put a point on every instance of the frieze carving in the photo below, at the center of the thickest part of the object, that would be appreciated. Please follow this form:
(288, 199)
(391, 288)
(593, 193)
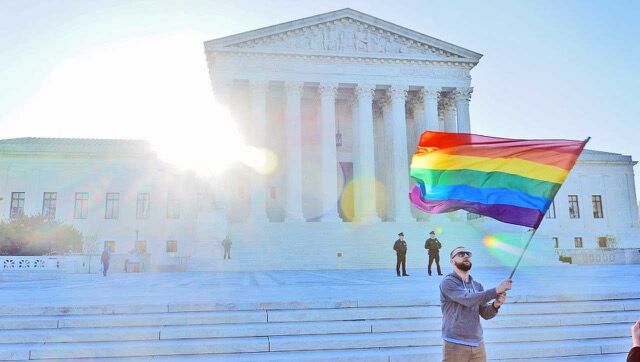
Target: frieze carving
(345, 35)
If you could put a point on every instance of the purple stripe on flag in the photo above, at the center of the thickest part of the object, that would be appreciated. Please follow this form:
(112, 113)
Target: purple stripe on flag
(505, 213)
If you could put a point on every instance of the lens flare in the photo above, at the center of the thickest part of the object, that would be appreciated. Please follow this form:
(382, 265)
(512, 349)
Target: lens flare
(507, 247)
(357, 194)
(262, 160)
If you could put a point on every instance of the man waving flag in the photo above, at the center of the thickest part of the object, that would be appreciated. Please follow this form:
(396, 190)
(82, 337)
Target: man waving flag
(510, 180)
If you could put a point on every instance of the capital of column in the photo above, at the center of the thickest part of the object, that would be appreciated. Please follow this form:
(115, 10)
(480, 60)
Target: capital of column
(293, 89)
(398, 92)
(428, 92)
(463, 94)
(445, 103)
(328, 90)
(222, 88)
(258, 87)
(365, 91)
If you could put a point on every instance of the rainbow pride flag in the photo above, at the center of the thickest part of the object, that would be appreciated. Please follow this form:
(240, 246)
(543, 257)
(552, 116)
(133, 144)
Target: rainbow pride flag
(510, 180)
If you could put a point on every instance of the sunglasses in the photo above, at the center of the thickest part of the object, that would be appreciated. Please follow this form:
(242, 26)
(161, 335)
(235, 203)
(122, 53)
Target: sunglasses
(462, 254)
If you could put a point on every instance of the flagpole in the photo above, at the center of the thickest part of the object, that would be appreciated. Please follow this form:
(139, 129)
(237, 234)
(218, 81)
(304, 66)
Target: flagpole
(523, 251)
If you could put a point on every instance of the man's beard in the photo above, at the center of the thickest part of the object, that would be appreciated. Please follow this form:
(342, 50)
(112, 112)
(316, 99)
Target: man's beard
(464, 266)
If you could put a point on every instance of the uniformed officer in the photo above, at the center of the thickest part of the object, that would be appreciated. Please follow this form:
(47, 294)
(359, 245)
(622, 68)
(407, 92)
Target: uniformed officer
(400, 247)
(433, 245)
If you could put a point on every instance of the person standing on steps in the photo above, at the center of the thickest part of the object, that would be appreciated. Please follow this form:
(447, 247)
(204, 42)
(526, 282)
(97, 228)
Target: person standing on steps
(400, 247)
(104, 260)
(463, 301)
(226, 244)
(433, 247)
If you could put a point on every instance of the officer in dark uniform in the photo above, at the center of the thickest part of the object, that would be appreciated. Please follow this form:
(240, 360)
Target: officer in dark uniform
(401, 254)
(433, 245)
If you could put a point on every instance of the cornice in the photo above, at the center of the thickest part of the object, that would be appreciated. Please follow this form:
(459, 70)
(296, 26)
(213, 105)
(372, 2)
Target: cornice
(330, 57)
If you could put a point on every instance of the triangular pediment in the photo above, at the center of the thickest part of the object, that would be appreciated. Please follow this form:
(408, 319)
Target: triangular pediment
(343, 32)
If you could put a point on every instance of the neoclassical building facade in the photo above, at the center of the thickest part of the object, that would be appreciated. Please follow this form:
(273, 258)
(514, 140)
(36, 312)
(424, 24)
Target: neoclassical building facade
(348, 94)
(340, 100)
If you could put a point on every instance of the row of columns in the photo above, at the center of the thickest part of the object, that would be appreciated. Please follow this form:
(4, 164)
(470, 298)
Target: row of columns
(364, 161)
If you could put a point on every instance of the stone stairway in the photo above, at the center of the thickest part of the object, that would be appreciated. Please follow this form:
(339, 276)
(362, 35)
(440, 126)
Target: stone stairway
(316, 245)
(587, 328)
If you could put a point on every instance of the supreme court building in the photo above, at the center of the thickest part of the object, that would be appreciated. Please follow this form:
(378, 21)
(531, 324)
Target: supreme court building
(341, 99)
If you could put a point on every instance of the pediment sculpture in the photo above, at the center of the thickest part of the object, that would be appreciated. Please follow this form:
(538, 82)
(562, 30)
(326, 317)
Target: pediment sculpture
(345, 36)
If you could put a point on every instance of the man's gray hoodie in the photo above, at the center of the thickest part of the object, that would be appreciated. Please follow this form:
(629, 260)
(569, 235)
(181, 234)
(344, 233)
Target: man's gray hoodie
(462, 303)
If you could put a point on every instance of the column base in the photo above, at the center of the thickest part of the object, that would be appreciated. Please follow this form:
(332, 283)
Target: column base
(295, 219)
(404, 217)
(369, 219)
(331, 218)
(258, 219)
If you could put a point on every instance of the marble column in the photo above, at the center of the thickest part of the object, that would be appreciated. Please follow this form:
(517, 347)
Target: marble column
(329, 164)
(365, 202)
(293, 119)
(449, 112)
(402, 210)
(417, 125)
(462, 98)
(222, 92)
(224, 189)
(430, 103)
(386, 158)
(258, 128)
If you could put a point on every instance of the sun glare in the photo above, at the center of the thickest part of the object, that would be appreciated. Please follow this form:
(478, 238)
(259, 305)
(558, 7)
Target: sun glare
(153, 88)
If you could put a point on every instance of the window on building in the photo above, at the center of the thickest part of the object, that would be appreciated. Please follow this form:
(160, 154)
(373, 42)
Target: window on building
(111, 244)
(556, 242)
(596, 200)
(206, 201)
(603, 242)
(141, 246)
(551, 212)
(142, 206)
(113, 205)
(173, 206)
(574, 208)
(578, 241)
(49, 205)
(17, 205)
(81, 208)
(172, 246)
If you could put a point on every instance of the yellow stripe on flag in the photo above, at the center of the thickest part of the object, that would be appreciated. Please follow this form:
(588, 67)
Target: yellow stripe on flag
(515, 166)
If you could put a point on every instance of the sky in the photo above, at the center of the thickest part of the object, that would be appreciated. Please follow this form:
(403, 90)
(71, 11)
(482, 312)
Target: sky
(136, 69)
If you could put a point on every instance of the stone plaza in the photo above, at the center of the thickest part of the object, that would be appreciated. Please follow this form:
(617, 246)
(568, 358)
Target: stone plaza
(562, 313)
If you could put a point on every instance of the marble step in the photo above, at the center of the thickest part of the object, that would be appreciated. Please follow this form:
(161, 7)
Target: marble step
(430, 338)
(519, 304)
(134, 348)
(611, 357)
(122, 320)
(229, 330)
(559, 310)
(560, 351)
